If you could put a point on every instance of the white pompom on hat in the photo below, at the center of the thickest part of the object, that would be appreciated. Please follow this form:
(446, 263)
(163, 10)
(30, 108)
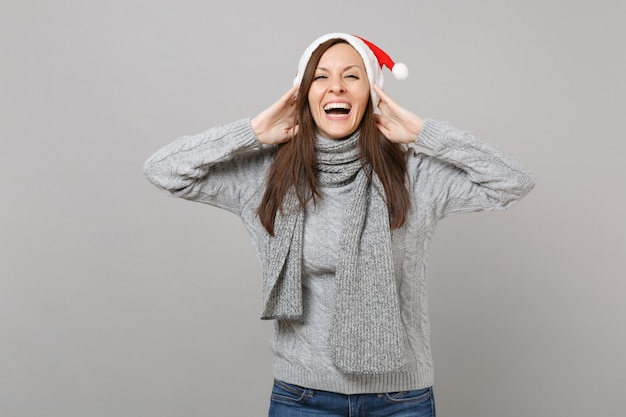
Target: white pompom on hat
(373, 57)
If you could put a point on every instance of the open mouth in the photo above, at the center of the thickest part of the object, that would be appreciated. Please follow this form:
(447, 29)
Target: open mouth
(337, 109)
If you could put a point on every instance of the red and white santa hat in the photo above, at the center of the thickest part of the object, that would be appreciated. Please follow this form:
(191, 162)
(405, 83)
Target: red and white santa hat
(373, 57)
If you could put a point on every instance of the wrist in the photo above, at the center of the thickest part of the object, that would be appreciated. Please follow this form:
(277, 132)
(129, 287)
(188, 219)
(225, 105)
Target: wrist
(414, 129)
(258, 130)
(417, 129)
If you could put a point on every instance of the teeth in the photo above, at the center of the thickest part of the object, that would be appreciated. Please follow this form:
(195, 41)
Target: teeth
(333, 106)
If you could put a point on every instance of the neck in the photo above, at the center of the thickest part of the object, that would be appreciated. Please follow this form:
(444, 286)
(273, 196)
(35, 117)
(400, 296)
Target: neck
(337, 160)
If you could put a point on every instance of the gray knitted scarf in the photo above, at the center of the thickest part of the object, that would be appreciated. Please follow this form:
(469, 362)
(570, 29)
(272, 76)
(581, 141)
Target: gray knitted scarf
(366, 336)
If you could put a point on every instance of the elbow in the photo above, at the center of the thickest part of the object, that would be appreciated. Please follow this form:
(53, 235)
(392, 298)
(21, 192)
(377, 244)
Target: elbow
(161, 179)
(524, 185)
(152, 174)
(508, 192)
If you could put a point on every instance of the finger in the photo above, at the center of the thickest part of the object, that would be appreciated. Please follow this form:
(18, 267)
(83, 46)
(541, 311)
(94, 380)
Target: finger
(292, 92)
(384, 97)
(386, 112)
(378, 119)
(384, 120)
(289, 98)
(386, 103)
(382, 129)
(289, 133)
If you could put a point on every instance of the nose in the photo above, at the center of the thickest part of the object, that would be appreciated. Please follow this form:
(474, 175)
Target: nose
(337, 85)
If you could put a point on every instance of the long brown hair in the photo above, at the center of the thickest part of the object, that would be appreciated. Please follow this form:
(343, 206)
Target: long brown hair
(294, 165)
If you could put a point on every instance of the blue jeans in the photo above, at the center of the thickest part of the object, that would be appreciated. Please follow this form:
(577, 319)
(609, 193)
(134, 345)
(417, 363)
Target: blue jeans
(290, 400)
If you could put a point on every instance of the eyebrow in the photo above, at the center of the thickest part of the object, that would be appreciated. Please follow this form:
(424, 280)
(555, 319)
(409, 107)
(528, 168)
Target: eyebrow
(345, 69)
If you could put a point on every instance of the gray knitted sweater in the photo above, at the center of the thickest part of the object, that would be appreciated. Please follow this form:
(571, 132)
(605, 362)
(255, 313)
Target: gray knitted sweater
(226, 167)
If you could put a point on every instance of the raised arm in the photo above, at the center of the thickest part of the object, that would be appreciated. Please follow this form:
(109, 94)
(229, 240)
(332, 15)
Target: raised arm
(224, 165)
(463, 173)
(466, 174)
(218, 166)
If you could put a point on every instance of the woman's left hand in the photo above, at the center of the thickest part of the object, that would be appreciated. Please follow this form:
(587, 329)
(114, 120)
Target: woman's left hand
(395, 122)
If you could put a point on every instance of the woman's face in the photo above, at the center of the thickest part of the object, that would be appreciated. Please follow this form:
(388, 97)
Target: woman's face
(339, 92)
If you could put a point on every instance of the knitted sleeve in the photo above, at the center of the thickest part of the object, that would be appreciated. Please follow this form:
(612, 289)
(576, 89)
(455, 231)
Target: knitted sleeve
(465, 174)
(222, 166)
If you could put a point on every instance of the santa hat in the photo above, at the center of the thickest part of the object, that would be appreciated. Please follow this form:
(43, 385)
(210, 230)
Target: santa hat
(373, 57)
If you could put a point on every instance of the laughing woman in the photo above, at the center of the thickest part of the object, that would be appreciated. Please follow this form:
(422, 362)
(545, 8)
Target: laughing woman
(340, 205)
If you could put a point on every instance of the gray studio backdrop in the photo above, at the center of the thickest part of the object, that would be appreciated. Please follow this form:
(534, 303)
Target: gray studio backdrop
(116, 300)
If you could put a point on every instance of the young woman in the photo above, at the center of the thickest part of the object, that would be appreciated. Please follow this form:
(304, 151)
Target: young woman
(340, 205)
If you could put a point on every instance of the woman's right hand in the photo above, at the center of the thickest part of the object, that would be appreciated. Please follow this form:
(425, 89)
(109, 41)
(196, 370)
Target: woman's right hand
(276, 124)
